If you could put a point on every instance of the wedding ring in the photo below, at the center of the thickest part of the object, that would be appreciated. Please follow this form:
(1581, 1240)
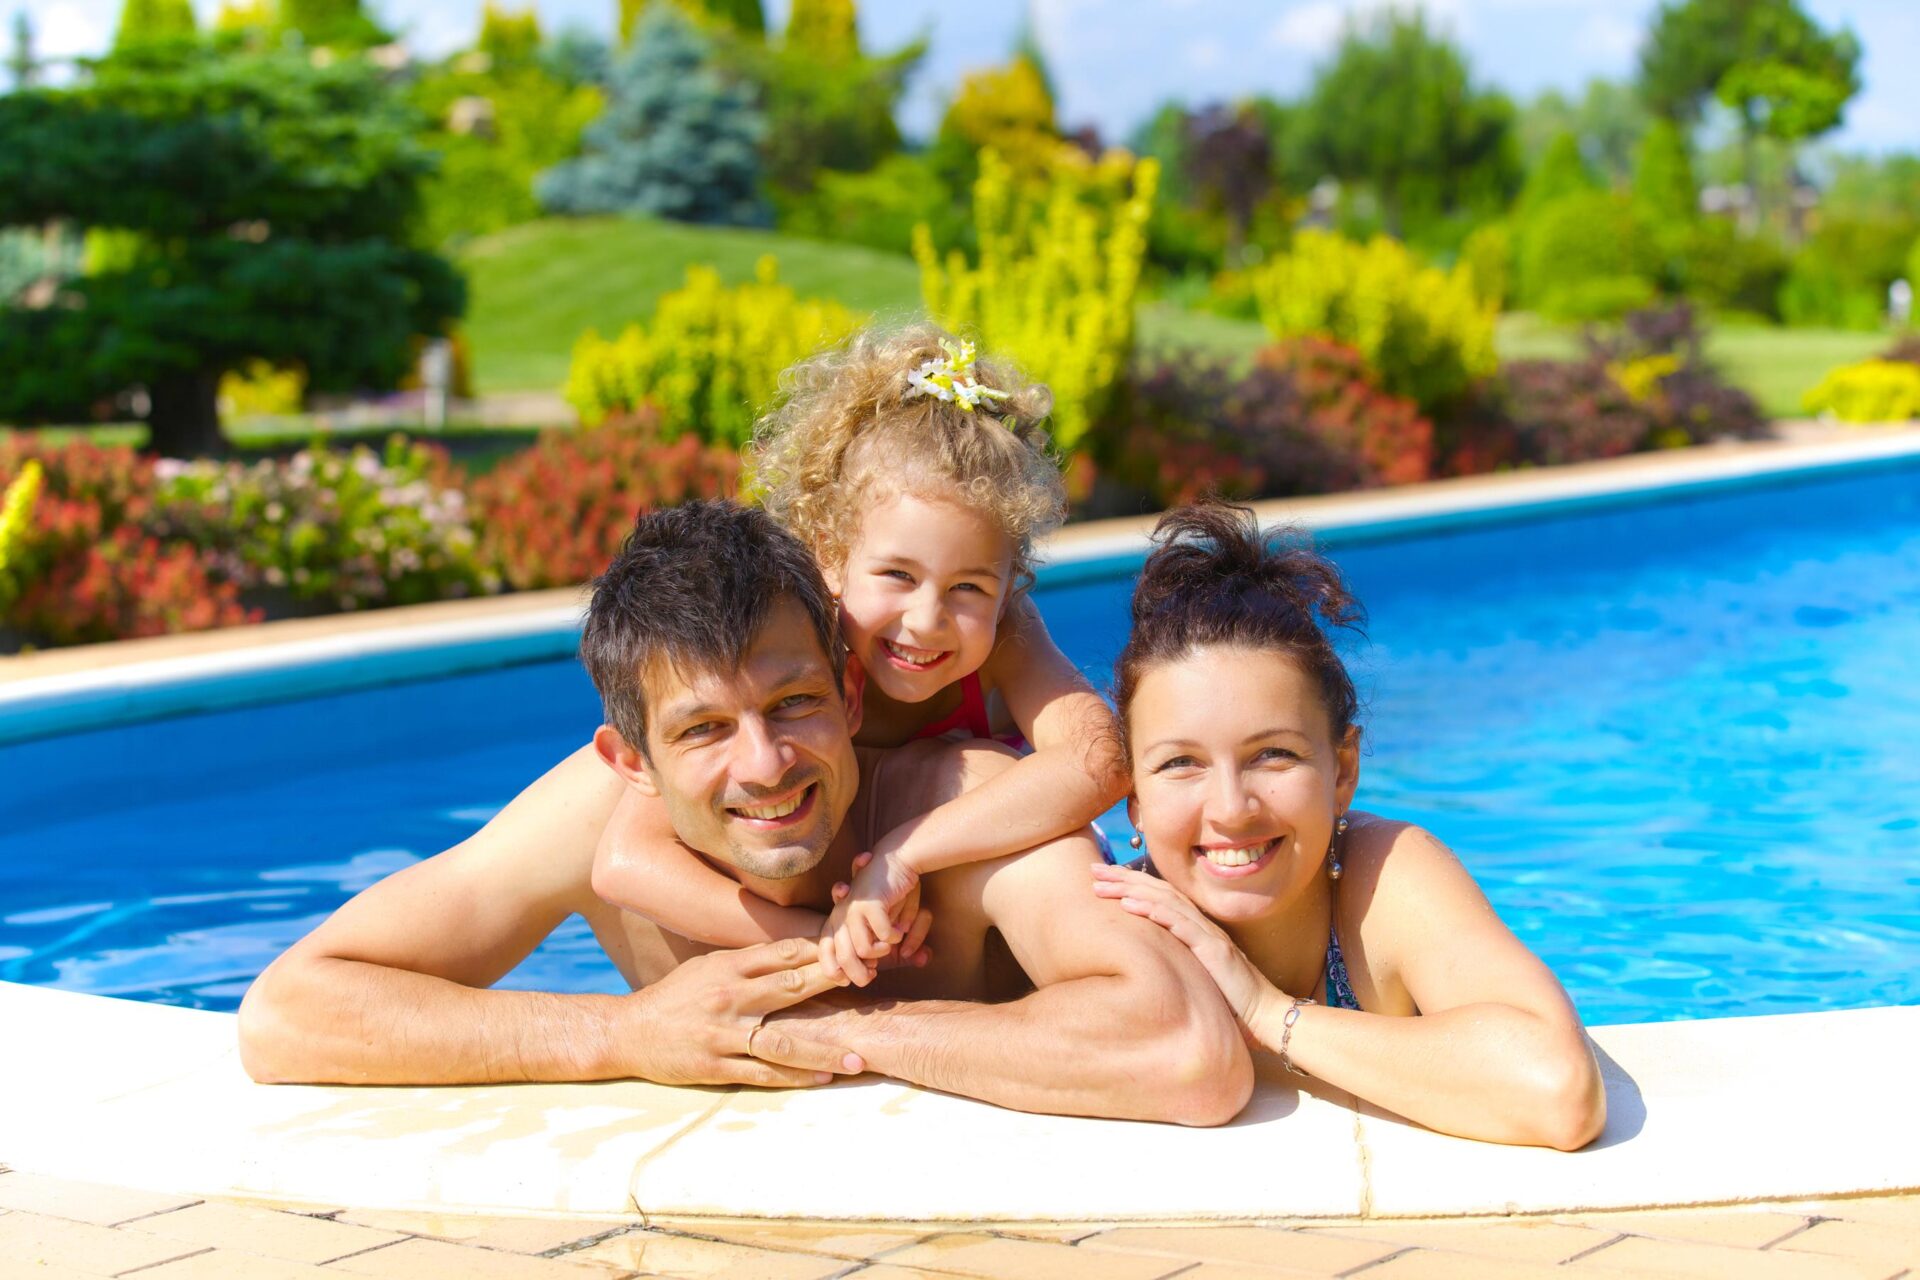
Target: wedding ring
(756, 1031)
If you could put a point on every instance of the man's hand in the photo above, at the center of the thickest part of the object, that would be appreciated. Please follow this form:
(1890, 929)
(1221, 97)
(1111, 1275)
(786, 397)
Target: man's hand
(879, 912)
(702, 1023)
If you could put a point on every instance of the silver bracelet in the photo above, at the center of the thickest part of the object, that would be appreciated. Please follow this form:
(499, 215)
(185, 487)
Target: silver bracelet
(1286, 1033)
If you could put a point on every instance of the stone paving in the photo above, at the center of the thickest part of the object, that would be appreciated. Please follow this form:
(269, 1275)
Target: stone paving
(53, 1229)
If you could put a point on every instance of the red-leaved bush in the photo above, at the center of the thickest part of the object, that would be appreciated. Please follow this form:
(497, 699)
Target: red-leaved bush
(1343, 407)
(555, 514)
(86, 569)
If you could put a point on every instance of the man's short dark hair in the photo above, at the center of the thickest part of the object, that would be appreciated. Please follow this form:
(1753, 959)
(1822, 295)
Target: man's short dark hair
(693, 585)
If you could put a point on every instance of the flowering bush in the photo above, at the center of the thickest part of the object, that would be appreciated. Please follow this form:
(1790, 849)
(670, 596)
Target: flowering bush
(1877, 390)
(341, 530)
(1055, 283)
(709, 361)
(1427, 333)
(82, 567)
(1307, 418)
(556, 513)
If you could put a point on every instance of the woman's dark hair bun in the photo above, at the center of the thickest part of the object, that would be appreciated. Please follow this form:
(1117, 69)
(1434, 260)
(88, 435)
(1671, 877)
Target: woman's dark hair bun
(1214, 547)
(1214, 577)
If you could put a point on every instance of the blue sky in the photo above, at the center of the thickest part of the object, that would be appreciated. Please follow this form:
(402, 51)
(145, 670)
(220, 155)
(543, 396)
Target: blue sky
(1114, 60)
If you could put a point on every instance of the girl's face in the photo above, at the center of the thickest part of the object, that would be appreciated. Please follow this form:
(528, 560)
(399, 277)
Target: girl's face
(922, 591)
(1237, 780)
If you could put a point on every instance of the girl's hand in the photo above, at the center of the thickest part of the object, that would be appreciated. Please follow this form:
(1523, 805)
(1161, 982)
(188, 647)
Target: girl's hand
(1247, 990)
(880, 910)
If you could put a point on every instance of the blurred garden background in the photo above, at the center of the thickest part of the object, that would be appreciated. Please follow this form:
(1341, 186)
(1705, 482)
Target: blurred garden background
(301, 311)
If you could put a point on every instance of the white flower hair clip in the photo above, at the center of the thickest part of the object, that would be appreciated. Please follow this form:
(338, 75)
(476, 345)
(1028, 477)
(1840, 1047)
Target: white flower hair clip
(951, 379)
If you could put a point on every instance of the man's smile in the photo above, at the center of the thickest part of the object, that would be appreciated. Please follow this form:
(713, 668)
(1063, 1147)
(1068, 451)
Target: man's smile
(772, 815)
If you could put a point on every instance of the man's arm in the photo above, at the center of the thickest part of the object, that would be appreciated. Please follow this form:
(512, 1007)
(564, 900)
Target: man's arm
(390, 989)
(1120, 1025)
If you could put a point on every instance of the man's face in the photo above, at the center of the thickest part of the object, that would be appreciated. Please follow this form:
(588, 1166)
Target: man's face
(756, 765)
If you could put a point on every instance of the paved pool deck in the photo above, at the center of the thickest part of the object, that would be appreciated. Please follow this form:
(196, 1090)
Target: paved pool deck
(134, 1144)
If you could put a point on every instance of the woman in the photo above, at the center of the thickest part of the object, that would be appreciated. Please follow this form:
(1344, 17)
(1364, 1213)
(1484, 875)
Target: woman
(1355, 948)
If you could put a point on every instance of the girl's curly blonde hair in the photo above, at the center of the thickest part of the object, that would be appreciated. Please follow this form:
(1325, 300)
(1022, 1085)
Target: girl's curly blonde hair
(847, 427)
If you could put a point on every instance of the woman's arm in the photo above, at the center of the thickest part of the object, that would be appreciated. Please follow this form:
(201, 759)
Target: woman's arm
(641, 866)
(1496, 1052)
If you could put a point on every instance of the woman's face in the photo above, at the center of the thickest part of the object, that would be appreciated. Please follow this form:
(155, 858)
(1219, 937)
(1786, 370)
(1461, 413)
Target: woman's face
(922, 592)
(1237, 780)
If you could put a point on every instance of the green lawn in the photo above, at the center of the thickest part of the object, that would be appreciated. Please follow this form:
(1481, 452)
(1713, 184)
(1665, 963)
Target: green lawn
(535, 288)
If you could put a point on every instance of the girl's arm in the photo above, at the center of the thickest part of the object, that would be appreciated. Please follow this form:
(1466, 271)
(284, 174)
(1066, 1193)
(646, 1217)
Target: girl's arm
(1496, 1052)
(1075, 773)
(641, 866)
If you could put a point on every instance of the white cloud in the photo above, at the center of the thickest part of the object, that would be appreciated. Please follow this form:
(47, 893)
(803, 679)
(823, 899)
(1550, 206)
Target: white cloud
(1316, 27)
(72, 28)
(1612, 35)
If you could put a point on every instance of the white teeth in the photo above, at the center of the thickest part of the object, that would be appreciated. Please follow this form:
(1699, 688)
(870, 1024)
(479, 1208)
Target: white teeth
(919, 657)
(1237, 857)
(771, 812)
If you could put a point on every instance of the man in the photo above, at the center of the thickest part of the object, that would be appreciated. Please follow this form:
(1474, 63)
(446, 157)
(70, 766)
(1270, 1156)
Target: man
(714, 643)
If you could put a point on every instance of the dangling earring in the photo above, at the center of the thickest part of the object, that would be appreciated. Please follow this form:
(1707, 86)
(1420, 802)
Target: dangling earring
(1134, 840)
(1333, 848)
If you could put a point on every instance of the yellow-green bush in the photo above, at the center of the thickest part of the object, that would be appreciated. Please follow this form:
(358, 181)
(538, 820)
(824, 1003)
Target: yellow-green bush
(1428, 333)
(1487, 257)
(260, 389)
(1871, 391)
(16, 508)
(1056, 280)
(710, 360)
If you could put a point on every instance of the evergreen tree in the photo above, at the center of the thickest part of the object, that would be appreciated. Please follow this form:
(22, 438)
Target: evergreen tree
(1562, 171)
(823, 29)
(21, 65)
(676, 140)
(151, 21)
(509, 39)
(337, 24)
(265, 205)
(745, 17)
(1396, 110)
(1663, 182)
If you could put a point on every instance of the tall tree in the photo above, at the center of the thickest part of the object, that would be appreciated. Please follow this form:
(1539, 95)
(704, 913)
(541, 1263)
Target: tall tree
(677, 140)
(742, 17)
(1561, 171)
(146, 21)
(825, 29)
(264, 205)
(1782, 76)
(509, 39)
(335, 24)
(22, 67)
(1396, 110)
(1663, 181)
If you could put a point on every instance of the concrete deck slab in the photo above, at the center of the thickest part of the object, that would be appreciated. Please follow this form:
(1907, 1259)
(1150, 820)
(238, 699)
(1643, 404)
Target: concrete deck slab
(150, 1097)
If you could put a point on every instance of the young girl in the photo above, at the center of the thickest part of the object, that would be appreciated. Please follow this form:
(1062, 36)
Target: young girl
(1355, 949)
(919, 478)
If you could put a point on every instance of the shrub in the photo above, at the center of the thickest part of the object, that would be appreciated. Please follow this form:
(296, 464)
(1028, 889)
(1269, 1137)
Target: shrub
(1168, 441)
(879, 208)
(16, 509)
(1379, 437)
(1572, 411)
(1426, 333)
(710, 359)
(1056, 282)
(1659, 357)
(1587, 256)
(260, 389)
(1871, 391)
(339, 530)
(83, 568)
(1723, 269)
(1487, 257)
(555, 514)
(1840, 276)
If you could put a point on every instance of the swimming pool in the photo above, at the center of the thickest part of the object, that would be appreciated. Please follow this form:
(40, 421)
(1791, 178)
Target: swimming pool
(1672, 740)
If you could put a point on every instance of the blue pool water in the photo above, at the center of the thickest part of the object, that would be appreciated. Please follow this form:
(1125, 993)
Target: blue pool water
(1676, 743)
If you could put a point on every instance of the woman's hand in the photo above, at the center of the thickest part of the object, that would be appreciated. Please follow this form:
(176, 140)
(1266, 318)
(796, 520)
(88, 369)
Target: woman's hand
(1247, 990)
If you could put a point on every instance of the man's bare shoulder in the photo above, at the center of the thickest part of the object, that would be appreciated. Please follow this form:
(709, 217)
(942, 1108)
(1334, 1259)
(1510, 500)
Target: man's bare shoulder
(902, 783)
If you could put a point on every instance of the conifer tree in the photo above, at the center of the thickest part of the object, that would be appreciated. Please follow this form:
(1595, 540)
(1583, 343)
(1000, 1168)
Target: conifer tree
(340, 24)
(1663, 182)
(149, 21)
(676, 140)
(743, 16)
(824, 29)
(509, 39)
